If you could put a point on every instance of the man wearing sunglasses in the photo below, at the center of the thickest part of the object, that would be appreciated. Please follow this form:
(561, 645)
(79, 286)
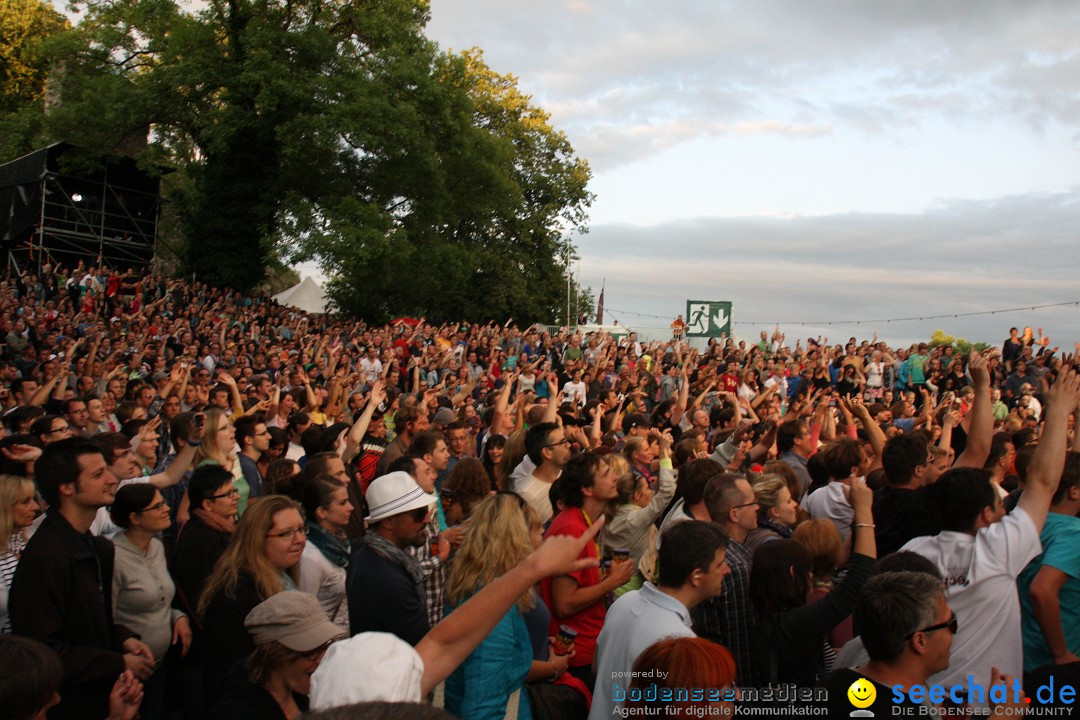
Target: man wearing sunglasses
(907, 630)
(383, 583)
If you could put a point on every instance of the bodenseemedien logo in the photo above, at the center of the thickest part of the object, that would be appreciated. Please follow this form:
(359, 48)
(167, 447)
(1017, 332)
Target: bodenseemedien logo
(862, 694)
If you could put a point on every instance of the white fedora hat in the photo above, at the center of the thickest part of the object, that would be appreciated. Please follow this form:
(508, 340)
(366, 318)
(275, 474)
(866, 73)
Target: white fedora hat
(393, 494)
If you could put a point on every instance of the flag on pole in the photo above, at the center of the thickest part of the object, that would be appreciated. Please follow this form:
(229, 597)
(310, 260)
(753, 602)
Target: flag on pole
(600, 307)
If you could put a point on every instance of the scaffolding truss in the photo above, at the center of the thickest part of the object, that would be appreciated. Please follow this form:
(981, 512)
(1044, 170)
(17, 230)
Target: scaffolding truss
(51, 213)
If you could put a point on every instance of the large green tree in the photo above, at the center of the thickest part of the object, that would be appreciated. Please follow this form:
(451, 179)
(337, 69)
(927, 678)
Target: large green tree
(482, 227)
(334, 130)
(25, 26)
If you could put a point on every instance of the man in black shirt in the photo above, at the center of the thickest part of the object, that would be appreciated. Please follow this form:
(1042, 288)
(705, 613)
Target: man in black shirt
(904, 509)
(383, 583)
(61, 594)
(907, 629)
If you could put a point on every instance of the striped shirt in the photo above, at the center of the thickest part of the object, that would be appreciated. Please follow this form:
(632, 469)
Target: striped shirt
(8, 562)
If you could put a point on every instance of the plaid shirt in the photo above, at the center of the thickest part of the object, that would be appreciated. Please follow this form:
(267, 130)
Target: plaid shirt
(434, 573)
(728, 618)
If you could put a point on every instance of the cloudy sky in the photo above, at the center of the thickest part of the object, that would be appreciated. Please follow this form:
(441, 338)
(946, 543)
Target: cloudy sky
(813, 162)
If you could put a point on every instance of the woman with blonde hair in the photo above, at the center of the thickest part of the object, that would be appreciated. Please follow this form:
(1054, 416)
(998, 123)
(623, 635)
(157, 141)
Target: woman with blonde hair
(513, 453)
(638, 452)
(262, 560)
(497, 539)
(218, 447)
(18, 508)
(778, 513)
(631, 525)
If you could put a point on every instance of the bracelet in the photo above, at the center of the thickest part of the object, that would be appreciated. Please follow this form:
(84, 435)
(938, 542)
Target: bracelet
(192, 443)
(869, 525)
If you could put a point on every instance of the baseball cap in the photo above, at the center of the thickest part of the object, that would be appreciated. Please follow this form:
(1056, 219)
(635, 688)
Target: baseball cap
(443, 416)
(293, 619)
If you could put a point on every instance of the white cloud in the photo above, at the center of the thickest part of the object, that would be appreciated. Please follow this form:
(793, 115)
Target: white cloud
(961, 257)
(865, 67)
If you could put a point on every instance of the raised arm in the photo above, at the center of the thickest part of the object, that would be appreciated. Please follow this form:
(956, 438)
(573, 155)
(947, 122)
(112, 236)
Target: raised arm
(275, 404)
(312, 401)
(948, 422)
(552, 410)
(502, 402)
(465, 392)
(873, 430)
(42, 395)
(684, 396)
(1048, 462)
(360, 427)
(596, 431)
(981, 427)
(234, 391)
(181, 463)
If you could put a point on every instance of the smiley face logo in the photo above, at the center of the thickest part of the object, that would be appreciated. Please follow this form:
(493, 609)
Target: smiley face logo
(862, 693)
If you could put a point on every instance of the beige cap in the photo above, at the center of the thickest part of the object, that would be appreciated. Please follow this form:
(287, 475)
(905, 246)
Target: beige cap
(293, 619)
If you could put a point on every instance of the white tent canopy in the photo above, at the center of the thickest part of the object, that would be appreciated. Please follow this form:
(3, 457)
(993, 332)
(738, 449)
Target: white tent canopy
(308, 296)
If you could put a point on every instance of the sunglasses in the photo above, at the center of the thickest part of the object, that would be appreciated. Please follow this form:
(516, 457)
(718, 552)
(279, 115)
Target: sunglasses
(951, 623)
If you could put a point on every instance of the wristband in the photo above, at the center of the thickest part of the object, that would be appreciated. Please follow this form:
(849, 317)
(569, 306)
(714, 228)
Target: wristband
(192, 443)
(859, 525)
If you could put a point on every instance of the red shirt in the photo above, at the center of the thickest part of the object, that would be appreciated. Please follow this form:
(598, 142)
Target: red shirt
(589, 621)
(731, 382)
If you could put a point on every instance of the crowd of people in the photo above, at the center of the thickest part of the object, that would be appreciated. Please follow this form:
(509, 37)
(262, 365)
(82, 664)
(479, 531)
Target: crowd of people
(244, 511)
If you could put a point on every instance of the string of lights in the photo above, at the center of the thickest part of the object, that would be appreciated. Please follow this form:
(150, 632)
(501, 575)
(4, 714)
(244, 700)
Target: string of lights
(860, 322)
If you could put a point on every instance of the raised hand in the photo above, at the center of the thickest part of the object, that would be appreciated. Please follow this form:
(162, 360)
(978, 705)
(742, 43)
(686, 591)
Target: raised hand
(979, 369)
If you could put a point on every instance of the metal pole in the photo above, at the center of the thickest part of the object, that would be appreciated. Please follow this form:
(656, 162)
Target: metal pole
(577, 290)
(101, 225)
(157, 219)
(567, 270)
(41, 226)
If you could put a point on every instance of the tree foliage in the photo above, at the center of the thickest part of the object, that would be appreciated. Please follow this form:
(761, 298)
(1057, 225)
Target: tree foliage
(479, 225)
(334, 130)
(25, 26)
(939, 338)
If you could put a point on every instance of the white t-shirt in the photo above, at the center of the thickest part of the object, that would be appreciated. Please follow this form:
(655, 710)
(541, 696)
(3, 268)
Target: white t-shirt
(873, 374)
(535, 492)
(831, 503)
(574, 393)
(370, 369)
(294, 452)
(980, 574)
